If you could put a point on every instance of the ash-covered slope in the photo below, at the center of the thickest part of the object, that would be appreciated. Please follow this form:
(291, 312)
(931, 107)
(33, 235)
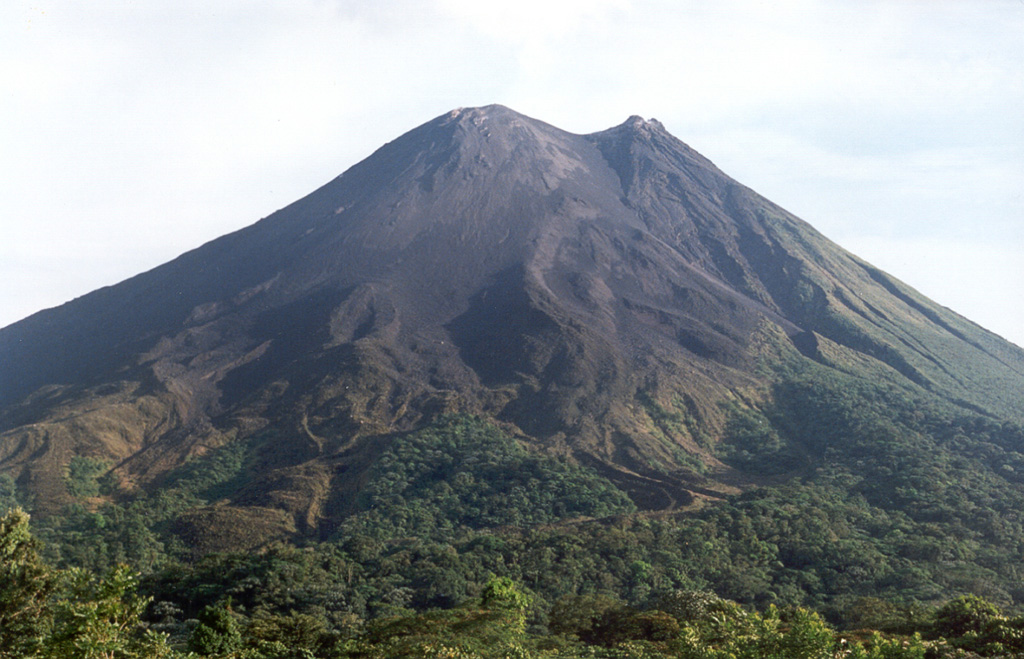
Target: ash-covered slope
(603, 296)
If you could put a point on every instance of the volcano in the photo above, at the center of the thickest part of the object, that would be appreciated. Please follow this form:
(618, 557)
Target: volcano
(612, 299)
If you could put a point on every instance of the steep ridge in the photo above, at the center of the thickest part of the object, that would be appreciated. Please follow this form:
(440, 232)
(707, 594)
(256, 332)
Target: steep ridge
(604, 297)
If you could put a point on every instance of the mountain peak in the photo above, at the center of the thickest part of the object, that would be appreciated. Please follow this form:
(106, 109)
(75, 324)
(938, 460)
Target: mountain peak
(481, 112)
(636, 122)
(485, 262)
(488, 114)
(485, 116)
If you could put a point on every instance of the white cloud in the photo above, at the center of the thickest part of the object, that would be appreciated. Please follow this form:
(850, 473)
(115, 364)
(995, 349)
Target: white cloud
(134, 131)
(530, 21)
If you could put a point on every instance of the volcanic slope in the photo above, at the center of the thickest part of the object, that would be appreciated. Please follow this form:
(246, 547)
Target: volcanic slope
(612, 298)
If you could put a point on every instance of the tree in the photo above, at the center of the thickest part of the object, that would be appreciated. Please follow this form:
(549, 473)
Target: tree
(98, 618)
(969, 613)
(576, 615)
(502, 593)
(8, 494)
(25, 588)
(217, 632)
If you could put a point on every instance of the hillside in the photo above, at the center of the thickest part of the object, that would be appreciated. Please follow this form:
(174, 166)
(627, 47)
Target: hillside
(491, 323)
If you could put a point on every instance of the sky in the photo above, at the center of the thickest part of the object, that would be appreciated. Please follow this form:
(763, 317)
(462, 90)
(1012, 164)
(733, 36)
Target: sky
(133, 131)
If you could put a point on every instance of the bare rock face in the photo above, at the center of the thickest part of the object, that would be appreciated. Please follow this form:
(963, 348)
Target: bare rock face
(600, 296)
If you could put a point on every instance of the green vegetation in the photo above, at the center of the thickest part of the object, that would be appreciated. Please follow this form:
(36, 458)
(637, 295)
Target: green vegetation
(9, 496)
(893, 497)
(48, 613)
(83, 476)
(893, 514)
(752, 444)
(25, 587)
(462, 473)
(459, 474)
(137, 531)
(672, 425)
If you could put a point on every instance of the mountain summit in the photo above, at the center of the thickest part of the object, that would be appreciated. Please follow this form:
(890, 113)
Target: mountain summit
(612, 298)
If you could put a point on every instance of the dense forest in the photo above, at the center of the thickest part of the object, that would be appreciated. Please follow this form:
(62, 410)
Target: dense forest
(291, 603)
(903, 540)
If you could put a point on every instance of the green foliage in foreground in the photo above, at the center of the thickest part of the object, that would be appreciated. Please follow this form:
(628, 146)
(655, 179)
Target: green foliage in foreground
(25, 587)
(77, 614)
(48, 614)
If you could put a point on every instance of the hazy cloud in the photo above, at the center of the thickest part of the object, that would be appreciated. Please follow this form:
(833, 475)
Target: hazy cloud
(133, 131)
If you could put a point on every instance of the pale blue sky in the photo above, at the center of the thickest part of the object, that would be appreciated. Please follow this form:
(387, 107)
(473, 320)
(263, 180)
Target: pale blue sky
(134, 131)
